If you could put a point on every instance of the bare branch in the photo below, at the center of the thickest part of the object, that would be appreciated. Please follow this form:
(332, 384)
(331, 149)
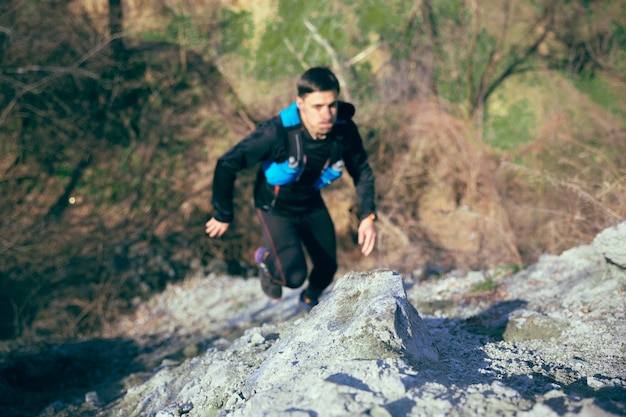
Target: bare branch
(62, 70)
(333, 56)
(56, 73)
(292, 49)
(363, 54)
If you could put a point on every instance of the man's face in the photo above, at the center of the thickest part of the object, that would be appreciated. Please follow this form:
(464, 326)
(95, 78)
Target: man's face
(318, 112)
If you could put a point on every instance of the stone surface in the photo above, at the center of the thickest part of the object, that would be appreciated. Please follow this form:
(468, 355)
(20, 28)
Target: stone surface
(353, 350)
(612, 244)
(549, 340)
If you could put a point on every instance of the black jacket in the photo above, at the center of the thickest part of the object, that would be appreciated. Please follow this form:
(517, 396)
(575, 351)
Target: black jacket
(269, 143)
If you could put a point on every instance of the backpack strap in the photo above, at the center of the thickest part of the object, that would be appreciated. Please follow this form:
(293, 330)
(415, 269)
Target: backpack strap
(289, 116)
(336, 152)
(333, 169)
(289, 170)
(344, 115)
(290, 119)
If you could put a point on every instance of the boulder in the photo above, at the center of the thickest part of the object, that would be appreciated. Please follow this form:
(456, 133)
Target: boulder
(351, 353)
(611, 243)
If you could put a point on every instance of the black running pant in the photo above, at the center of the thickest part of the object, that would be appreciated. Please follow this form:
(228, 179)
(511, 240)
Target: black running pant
(285, 237)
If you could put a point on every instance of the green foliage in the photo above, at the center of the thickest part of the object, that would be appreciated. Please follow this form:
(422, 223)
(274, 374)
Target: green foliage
(287, 47)
(214, 126)
(512, 128)
(181, 29)
(387, 19)
(598, 89)
(487, 285)
(619, 53)
(305, 33)
(450, 84)
(151, 36)
(365, 87)
(452, 64)
(596, 85)
(236, 30)
(63, 171)
(448, 10)
(485, 47)
(374, 16)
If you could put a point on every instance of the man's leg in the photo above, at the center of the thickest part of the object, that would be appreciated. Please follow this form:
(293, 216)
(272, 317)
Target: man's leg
(286, 261)
(318, 236)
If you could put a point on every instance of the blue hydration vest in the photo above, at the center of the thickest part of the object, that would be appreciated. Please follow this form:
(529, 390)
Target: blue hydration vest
(288, 171)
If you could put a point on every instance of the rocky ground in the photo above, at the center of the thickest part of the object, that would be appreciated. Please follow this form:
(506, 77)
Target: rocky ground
(549, 340)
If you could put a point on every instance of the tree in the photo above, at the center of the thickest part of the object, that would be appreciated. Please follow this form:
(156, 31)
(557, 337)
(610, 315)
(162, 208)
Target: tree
(306, 34)
(594, 37)
(479, 45)
(116, 27)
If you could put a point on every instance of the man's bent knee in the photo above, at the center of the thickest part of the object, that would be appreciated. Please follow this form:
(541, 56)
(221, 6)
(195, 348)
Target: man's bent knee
(296, 277)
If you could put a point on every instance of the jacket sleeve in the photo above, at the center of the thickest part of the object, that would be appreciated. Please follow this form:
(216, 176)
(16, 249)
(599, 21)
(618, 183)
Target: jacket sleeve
(255, 147)
(357, 164)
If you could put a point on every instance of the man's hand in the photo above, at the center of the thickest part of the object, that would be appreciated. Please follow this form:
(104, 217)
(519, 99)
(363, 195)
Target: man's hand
(367, 235)
(216, 228)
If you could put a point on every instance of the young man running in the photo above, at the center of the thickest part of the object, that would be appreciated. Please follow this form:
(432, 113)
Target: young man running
(299, 151)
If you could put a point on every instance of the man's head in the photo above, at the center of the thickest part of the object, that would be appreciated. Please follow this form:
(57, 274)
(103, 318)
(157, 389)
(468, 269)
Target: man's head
(318, 90)
(317, 79)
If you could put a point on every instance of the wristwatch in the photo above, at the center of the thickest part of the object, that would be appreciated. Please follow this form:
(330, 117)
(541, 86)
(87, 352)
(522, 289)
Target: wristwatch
(372, 216)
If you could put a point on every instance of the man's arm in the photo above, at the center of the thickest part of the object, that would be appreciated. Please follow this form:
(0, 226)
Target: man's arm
(367, 235)
(255, 147)
(356, 160)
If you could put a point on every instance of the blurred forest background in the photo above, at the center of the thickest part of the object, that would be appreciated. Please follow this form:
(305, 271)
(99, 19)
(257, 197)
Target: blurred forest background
(496, 129)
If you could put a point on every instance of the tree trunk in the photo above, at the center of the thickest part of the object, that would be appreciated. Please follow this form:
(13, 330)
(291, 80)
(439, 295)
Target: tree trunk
(116, 26)
(424, 54)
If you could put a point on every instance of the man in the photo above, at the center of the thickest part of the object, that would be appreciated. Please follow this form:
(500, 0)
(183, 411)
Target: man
(300, 151)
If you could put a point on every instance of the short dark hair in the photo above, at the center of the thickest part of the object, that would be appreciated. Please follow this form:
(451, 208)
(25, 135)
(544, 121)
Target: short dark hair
(317, 79)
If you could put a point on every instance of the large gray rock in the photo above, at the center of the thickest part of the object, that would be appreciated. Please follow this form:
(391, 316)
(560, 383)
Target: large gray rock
(343, 352)
(612, 244)
(581, 283)
(351, 353)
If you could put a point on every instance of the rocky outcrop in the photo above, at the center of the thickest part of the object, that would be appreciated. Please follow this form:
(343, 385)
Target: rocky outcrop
(353, 351)
(545, 341)
(586, 282)
(611, 243)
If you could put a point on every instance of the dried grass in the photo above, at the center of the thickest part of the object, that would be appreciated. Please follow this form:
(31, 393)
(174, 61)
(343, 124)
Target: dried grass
(438, 201)
(568, 188)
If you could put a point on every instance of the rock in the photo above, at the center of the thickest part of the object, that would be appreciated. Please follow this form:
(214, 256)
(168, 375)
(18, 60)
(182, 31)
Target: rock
(346, 347)
(92, 398)
(547, 340)
(612, 244)
(527, 325)
(350, 353)
(367, 316)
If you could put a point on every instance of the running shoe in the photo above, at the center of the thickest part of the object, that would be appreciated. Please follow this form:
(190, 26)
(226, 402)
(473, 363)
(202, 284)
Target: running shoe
(269, 287)
(306, 303)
